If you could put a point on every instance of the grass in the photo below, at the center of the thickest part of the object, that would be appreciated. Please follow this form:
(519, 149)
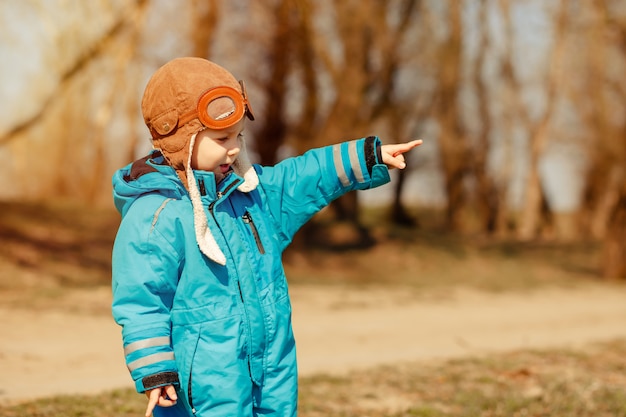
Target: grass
(589, 383)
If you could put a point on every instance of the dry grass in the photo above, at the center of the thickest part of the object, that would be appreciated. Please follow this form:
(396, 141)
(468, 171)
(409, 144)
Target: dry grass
(526, 383)
(589, 383)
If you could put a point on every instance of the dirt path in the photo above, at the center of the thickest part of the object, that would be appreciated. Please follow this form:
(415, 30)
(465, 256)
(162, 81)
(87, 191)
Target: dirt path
(44, 353)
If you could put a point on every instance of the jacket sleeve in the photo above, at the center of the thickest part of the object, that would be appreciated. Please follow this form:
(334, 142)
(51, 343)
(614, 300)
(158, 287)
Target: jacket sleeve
(299, 187)
(145, 273)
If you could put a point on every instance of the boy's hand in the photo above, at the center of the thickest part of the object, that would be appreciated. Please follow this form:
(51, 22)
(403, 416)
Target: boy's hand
(392, 154)
(161, 396)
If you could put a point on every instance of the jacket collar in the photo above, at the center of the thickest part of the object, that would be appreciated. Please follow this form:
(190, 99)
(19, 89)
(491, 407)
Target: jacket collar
(209, 191)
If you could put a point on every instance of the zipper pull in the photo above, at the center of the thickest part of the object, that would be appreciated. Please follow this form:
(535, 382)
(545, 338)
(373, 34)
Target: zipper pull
(212, 204)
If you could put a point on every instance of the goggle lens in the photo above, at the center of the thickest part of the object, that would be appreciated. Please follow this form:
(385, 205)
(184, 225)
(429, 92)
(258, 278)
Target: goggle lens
(220, 108)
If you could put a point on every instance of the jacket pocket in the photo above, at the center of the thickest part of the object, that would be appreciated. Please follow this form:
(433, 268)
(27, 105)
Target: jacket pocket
(247, 219)
(185, 340)
(190, 390)
(218, 377)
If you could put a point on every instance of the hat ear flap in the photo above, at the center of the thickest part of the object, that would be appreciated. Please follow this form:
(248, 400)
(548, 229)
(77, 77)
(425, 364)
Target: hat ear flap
(164, 123)
(243, 167)
(206, 242)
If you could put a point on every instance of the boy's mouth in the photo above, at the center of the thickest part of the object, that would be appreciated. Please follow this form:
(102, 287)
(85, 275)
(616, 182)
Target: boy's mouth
(224, 168)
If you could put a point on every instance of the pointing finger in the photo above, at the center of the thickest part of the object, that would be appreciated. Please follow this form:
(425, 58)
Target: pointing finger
(405, 147)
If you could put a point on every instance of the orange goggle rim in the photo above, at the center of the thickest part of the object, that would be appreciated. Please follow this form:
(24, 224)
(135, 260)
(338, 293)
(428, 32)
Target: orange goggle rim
(239, 99)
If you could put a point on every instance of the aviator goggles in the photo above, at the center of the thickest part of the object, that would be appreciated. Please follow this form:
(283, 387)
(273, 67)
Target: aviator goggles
(220, 108)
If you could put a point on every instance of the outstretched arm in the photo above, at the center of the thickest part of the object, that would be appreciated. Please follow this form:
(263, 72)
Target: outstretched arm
(393, 154)
(297, 188)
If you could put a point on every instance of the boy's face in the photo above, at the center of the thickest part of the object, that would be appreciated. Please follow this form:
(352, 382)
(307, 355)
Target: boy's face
(215, 150)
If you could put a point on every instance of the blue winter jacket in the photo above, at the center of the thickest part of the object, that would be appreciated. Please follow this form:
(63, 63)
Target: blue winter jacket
(221, 334)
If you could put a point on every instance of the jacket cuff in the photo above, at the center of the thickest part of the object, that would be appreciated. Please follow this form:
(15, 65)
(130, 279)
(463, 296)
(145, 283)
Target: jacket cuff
(157, 380)
(379, 173)
(373, 154)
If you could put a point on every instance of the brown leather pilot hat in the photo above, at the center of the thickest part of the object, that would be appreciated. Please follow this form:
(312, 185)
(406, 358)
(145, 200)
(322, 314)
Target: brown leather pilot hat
(171, 95)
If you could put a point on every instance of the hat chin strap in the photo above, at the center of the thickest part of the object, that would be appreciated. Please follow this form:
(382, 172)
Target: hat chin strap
(206, 242)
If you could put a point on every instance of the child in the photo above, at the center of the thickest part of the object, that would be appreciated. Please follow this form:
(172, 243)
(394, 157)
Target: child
(198, 284)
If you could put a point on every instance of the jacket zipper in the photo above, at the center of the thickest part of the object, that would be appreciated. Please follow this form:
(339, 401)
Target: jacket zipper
(220, 194)
(255, 232)
(247, 219)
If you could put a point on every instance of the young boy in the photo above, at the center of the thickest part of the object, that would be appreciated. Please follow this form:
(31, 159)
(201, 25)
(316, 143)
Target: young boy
(198, 284)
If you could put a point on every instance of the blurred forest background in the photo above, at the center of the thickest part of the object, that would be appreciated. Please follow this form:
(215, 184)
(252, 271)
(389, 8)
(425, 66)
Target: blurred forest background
(521, 103)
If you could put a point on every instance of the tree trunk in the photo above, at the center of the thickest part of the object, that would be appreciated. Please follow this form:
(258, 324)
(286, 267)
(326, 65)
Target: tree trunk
(534, 197)
(614, 255)
(399, 214)
(205, 23)
(530, 219)
(272, 133)
(453, 148)
(486, 195)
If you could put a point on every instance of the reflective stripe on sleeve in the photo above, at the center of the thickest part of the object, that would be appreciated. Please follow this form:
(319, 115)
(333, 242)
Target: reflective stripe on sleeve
(354, 162)
(146, 343)
(341, 172)
(150, 360)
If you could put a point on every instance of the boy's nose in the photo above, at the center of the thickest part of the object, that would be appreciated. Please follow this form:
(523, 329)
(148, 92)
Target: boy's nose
(234, 151)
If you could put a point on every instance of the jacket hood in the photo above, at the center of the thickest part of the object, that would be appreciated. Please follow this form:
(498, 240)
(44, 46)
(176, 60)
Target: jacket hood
(152, 174)
(146, 175)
